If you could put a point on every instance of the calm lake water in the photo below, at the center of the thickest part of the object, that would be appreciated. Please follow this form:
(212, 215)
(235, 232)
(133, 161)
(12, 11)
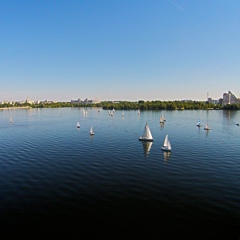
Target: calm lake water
(56, 178)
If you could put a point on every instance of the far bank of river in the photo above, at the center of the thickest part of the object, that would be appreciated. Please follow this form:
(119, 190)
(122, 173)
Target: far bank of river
(10, 108)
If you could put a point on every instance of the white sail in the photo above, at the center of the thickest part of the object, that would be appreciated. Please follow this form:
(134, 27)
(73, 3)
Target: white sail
(207, 127)
(147, 133)
(91, 131)
(169, 145)
(11, 121)
(199, 124)
(165, 144)
(162, 119)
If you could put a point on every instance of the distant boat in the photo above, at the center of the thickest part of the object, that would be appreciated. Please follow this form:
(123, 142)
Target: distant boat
(147, 136)
(207, 127)
(78, 125)
(199, 124)
(123, 114)
(138, 111)
(162, 120)
(91, 131)
(11, 121)
(113, 110)
(166, 145)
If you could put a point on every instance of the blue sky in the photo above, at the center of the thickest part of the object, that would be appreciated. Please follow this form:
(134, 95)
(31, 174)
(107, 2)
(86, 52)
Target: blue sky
(119, 49)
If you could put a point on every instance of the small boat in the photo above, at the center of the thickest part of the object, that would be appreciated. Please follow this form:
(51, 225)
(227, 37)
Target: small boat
(91, 131)
(78, 125)
(138, 111)
(162, 120)
(11, 121)
(166, 145)
(147, 136)
(207, 127)
(123, 114)
(199, 124)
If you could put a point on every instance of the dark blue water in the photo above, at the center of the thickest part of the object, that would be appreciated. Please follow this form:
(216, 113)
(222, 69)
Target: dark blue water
(57, 179)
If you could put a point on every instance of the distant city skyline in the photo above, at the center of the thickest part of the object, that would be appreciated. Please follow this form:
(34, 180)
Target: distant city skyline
(119, 50)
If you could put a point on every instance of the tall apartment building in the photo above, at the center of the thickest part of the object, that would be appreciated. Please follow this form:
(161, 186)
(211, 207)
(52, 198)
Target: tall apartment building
(229, 98)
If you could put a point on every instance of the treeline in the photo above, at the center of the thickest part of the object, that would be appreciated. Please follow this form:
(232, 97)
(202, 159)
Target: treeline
(126, 105)
(160, 105)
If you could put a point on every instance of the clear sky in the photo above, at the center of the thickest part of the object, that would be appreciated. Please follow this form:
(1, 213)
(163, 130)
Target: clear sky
(119, 49)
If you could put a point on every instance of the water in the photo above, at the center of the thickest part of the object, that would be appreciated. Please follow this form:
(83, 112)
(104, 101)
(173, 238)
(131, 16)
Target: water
(56, 178)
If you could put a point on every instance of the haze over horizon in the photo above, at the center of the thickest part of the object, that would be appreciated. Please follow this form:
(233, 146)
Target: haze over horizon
(119, 50)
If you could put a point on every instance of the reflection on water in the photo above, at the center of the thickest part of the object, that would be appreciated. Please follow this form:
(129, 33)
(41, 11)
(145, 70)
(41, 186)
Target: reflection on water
(207, 131)
(146, 148)
(229, 114)
(166, 156)
(162, 126)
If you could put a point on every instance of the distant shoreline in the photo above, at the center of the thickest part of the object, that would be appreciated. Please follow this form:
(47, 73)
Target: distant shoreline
(10, 108)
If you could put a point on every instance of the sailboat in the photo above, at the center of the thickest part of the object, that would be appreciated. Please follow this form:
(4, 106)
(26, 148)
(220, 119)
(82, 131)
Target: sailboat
(162, 120)
(78, 125)
(166, 145)
(147, 136)
(11, 121)
(123, 114)
(138, 111)
(199, 124)
(91, 131)
(207, 127)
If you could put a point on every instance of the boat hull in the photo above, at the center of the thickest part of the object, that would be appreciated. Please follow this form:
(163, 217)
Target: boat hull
(145, 139)
(165, 149)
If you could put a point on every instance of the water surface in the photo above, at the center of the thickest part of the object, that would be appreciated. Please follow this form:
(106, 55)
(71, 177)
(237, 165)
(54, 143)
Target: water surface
(56, 177)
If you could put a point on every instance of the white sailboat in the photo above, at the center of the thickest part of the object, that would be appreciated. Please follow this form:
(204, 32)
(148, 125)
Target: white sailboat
(138, 111)
(207, 127)
(147, 136)
(123, 114)
(78, 125)
(166, 145)
(199, 124)
(11, 121)
(162, 119)
(91, 131)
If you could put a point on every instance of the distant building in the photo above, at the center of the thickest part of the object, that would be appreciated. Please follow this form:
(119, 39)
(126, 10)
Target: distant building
(210, 100)
(85, 101)
(229, 98)
(29, 101)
